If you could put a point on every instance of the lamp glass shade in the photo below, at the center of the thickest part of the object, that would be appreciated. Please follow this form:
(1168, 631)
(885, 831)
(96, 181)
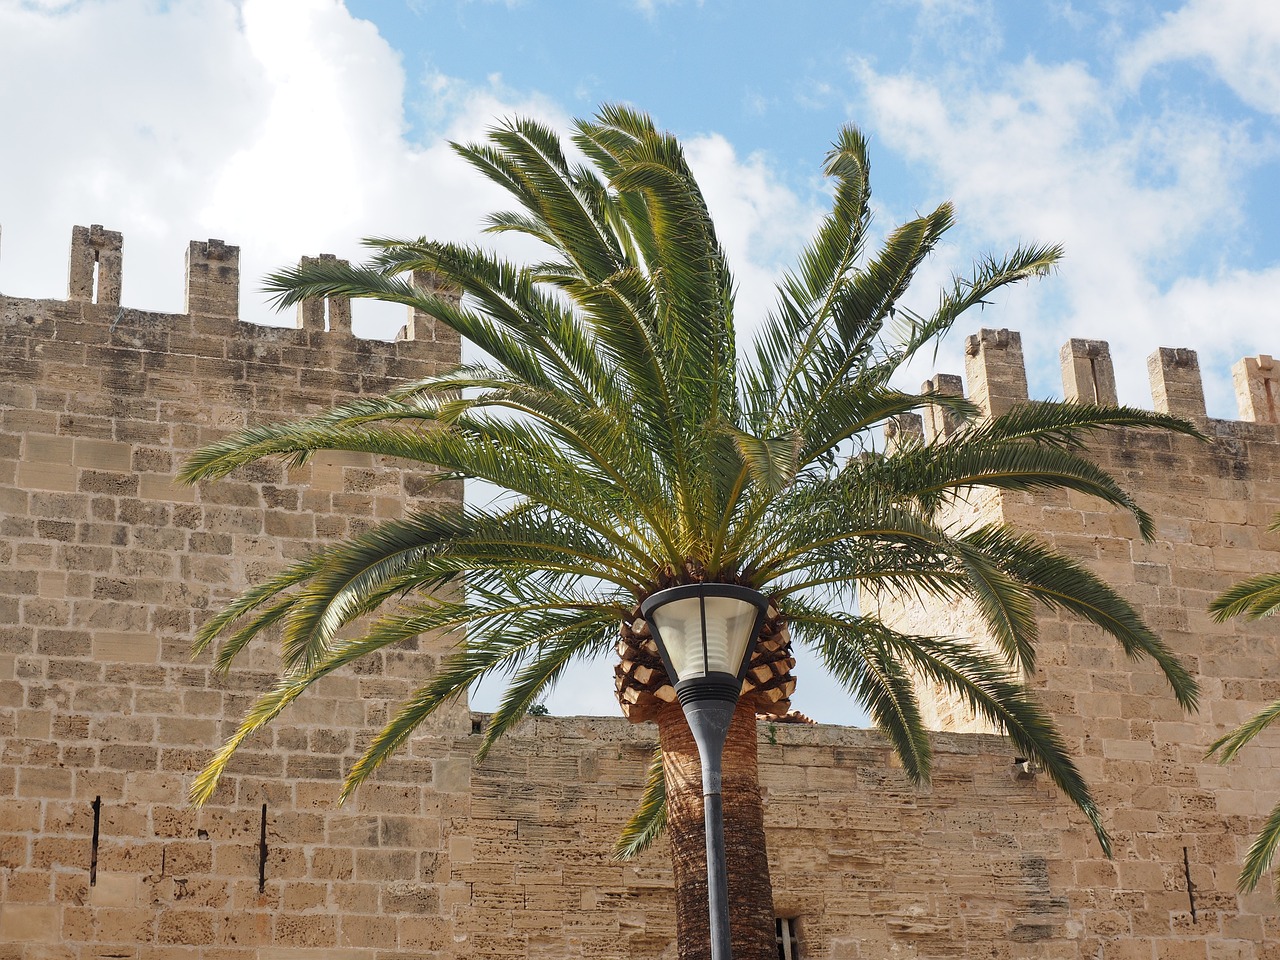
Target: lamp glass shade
(729, 623)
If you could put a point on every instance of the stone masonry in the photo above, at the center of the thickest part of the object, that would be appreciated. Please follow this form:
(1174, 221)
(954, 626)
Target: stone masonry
(106, 567)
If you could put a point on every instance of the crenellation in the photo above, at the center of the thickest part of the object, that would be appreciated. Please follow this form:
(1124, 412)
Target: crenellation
(420, 326)
(213, 279)
(1257, 383)
(1087, 372)
(1176, 386)
(95, 273)
(939, 422)
(92, 316)
(995, 371)
(906, 428)
(106, 566)
(327, 314)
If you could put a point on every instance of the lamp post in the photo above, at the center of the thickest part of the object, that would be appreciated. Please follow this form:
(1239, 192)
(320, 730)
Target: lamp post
(705, 633)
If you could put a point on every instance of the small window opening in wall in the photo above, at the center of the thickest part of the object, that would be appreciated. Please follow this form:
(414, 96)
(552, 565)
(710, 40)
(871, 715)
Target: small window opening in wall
(262, 852)
(788, 939)
(93, 849)
(97, 266)
(1191, 889)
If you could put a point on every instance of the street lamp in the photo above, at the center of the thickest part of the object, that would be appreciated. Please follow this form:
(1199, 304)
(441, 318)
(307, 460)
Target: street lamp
(705, 634)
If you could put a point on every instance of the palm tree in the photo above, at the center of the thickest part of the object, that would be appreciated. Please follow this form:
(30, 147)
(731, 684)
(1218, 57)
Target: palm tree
(1252, 598)
(641, 451)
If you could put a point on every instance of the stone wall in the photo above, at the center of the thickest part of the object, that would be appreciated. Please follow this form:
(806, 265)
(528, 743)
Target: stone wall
(106, 567)
(1173, 815)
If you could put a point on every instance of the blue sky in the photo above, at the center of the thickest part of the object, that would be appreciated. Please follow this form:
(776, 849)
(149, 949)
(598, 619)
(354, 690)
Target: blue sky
(1143, 136)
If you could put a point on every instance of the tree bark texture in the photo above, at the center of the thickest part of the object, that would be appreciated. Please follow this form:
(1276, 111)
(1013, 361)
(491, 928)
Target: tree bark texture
(751, 918)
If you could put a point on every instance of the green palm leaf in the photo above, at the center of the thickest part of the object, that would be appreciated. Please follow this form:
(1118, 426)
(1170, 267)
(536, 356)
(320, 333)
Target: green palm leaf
(1228, 746)
(1261, 853)
(636, 450)
(1252, 598)
(650, 818)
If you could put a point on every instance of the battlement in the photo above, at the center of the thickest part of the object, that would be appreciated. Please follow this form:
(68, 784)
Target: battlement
(212, 303)
(107, 567)
(996, 378)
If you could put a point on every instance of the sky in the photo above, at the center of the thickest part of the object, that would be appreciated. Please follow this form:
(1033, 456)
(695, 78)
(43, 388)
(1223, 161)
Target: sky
(1144, 137)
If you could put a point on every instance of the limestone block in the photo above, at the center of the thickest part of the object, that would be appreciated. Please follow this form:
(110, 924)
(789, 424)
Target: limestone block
(42, 448)
(1176, 386)
(156, 486)
(44, 782)
(48, 476)
(114, 890)
(213, 280)
(1257, 383)
(995, 371)
(96, 265)
(29, 923)
(111, 646)
(1087, 372)
(939, 423)
(451, 775)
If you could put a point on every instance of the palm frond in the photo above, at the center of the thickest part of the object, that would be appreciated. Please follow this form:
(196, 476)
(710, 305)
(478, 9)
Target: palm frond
(590, 632)
(650, 818)
(940, 473)
(986, 687)
(1261, 853)
(499, 640)
(1025, 262)
(983, 682)
(1006, 605)
(1228, 746)
(1252, 598)
(805, 298)
(269, 590)
(1064, 584)
(1071, 423)
(634, 451)
(269, 706)
(854, 651)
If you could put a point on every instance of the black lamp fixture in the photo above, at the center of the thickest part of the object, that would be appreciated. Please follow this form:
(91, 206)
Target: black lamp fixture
(705, 633)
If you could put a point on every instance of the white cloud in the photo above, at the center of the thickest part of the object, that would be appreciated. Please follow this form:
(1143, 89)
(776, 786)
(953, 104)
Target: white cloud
(759, 221)
(330, 102)
(1225, 317)
(966, 31)
(1038, 155)
(279, 128)
(122, 139)
(650, 7)
(283, 134)
(1240, 38)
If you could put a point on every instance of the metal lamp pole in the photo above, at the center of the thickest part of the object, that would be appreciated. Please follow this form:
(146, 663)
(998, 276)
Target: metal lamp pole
(705, 633)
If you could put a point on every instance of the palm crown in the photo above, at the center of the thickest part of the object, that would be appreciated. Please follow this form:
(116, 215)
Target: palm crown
(641, 449)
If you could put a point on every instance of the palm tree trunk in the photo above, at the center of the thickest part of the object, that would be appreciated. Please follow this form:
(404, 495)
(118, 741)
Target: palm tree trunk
(750, 894)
